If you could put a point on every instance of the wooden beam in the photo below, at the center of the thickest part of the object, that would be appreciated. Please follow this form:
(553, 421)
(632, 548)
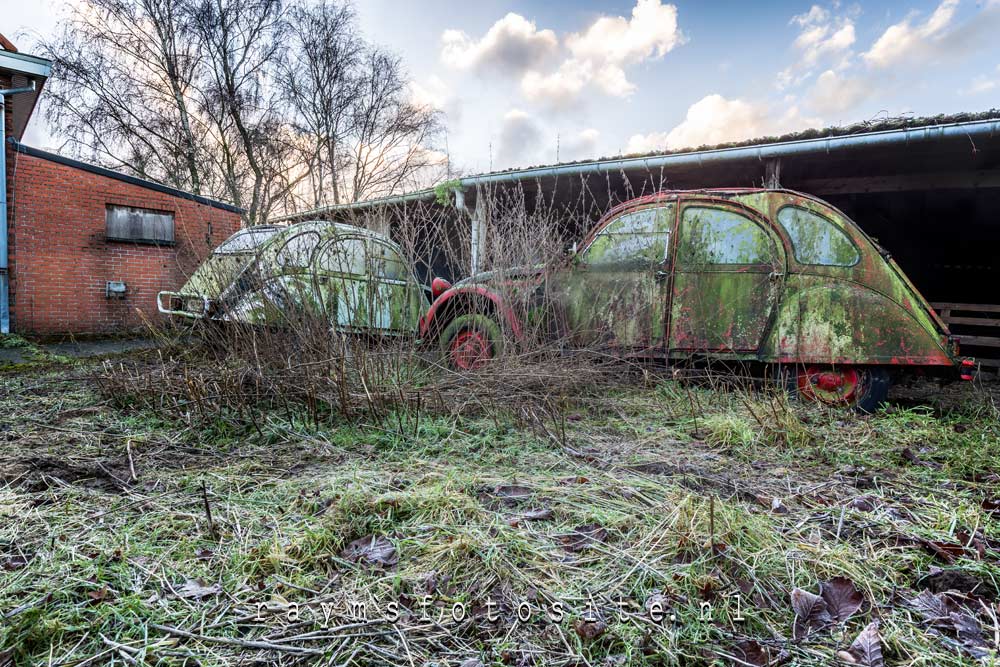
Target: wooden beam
(979, 341)
(980, 307)
(973, 321)
(966, 180)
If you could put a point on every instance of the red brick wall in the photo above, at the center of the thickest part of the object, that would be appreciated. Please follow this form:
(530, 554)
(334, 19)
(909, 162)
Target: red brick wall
(61, 260)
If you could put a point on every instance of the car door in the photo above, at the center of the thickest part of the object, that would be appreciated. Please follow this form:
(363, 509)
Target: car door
(341, 268)
(728, 276)
(614, 294)
(395, 299)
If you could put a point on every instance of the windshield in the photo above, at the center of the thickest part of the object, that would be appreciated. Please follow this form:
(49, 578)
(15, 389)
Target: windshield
(247, 240)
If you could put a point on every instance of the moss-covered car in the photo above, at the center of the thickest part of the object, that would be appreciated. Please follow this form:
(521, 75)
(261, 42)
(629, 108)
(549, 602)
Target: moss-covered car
(743, 275)
(354, 278)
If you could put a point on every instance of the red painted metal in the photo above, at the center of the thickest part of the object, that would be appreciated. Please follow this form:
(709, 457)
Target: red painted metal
(478, 291)
(469, 350)
(828, 385)
(439, 286)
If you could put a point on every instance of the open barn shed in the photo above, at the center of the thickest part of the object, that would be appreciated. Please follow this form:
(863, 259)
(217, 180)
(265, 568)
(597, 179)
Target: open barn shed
(927, 189)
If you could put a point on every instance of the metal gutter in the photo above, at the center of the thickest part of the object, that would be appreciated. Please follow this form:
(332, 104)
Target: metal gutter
(22, 63)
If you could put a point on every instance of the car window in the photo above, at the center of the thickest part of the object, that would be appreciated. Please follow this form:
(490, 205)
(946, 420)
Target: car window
(386, 262)
(298, 250)
(247, 240)
(343, 256)
(638, 238)
(719, 236)
(816, 240)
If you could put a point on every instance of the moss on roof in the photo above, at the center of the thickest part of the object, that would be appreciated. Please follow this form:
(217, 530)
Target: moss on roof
(862, 127)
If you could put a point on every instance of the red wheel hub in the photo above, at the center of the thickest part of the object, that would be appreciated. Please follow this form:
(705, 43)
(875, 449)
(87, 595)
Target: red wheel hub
(470, 350)
(833, 386)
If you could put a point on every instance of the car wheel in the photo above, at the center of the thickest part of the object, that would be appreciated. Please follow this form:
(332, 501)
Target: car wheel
(863, 388)
(471, 341)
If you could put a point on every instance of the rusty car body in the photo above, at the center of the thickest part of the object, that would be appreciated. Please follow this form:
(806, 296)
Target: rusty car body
(353, 278)
(745, 275)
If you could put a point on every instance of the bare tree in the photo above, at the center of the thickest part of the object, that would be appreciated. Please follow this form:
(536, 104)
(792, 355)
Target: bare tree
(352, 101)
(321, 83)
(392, 136)
(122, 76)
(240, 41)
(272, 108)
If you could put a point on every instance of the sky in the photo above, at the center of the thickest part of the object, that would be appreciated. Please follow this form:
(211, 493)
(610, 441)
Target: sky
(525, 82)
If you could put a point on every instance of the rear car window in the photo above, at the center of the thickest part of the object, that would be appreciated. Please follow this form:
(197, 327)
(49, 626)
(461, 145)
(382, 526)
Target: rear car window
(298, 250)
(247, 240)
(816, 240)
(387, 263)
(344, 256)
(720, 236)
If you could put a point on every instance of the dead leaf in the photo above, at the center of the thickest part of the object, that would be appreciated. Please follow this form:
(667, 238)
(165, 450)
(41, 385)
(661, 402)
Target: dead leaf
(14, 563)
(946, 551)
(373, 550)
(98, 596)
(863, 504)
(583, 537)
(947, 615)
(193, 589)
(750, 652)
(810, 613)
(866, 649)
(512, 492)
(841, 597)
(589, 630)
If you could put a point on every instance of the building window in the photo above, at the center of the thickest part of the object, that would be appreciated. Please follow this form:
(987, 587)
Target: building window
(139, 225)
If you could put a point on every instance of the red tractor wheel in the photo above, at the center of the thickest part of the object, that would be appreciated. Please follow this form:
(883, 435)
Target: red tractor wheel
(469, 342)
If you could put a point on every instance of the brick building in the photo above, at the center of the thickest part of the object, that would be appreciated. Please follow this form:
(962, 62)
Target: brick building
(87, 249)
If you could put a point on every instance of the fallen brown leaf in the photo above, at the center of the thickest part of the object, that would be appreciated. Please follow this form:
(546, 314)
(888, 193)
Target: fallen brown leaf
(866, 649)
(373, 550)
(810, 613)
(841, 597)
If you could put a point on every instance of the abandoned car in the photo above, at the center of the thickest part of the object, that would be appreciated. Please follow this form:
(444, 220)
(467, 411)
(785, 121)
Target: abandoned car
(758, 276)
(354, 278)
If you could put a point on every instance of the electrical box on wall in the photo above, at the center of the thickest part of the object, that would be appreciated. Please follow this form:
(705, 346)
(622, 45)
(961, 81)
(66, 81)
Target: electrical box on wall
(115, 289)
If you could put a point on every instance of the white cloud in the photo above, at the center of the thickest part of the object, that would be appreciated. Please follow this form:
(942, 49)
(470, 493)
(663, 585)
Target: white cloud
(716, 120)
(580, 146)
(651, 32)
(905, 41)
(520, 139)
(834, 92)
(434, 93)
(512, 44)
(599, 55)
(983, 83)
(823, 38)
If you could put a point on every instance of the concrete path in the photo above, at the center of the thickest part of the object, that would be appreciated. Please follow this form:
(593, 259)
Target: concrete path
(77, 349)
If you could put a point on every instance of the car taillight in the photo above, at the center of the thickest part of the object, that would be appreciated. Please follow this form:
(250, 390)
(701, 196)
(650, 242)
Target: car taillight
(439, 286)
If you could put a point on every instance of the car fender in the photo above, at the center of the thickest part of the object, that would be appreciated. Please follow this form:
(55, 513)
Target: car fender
(826, 321)
(429, 323)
